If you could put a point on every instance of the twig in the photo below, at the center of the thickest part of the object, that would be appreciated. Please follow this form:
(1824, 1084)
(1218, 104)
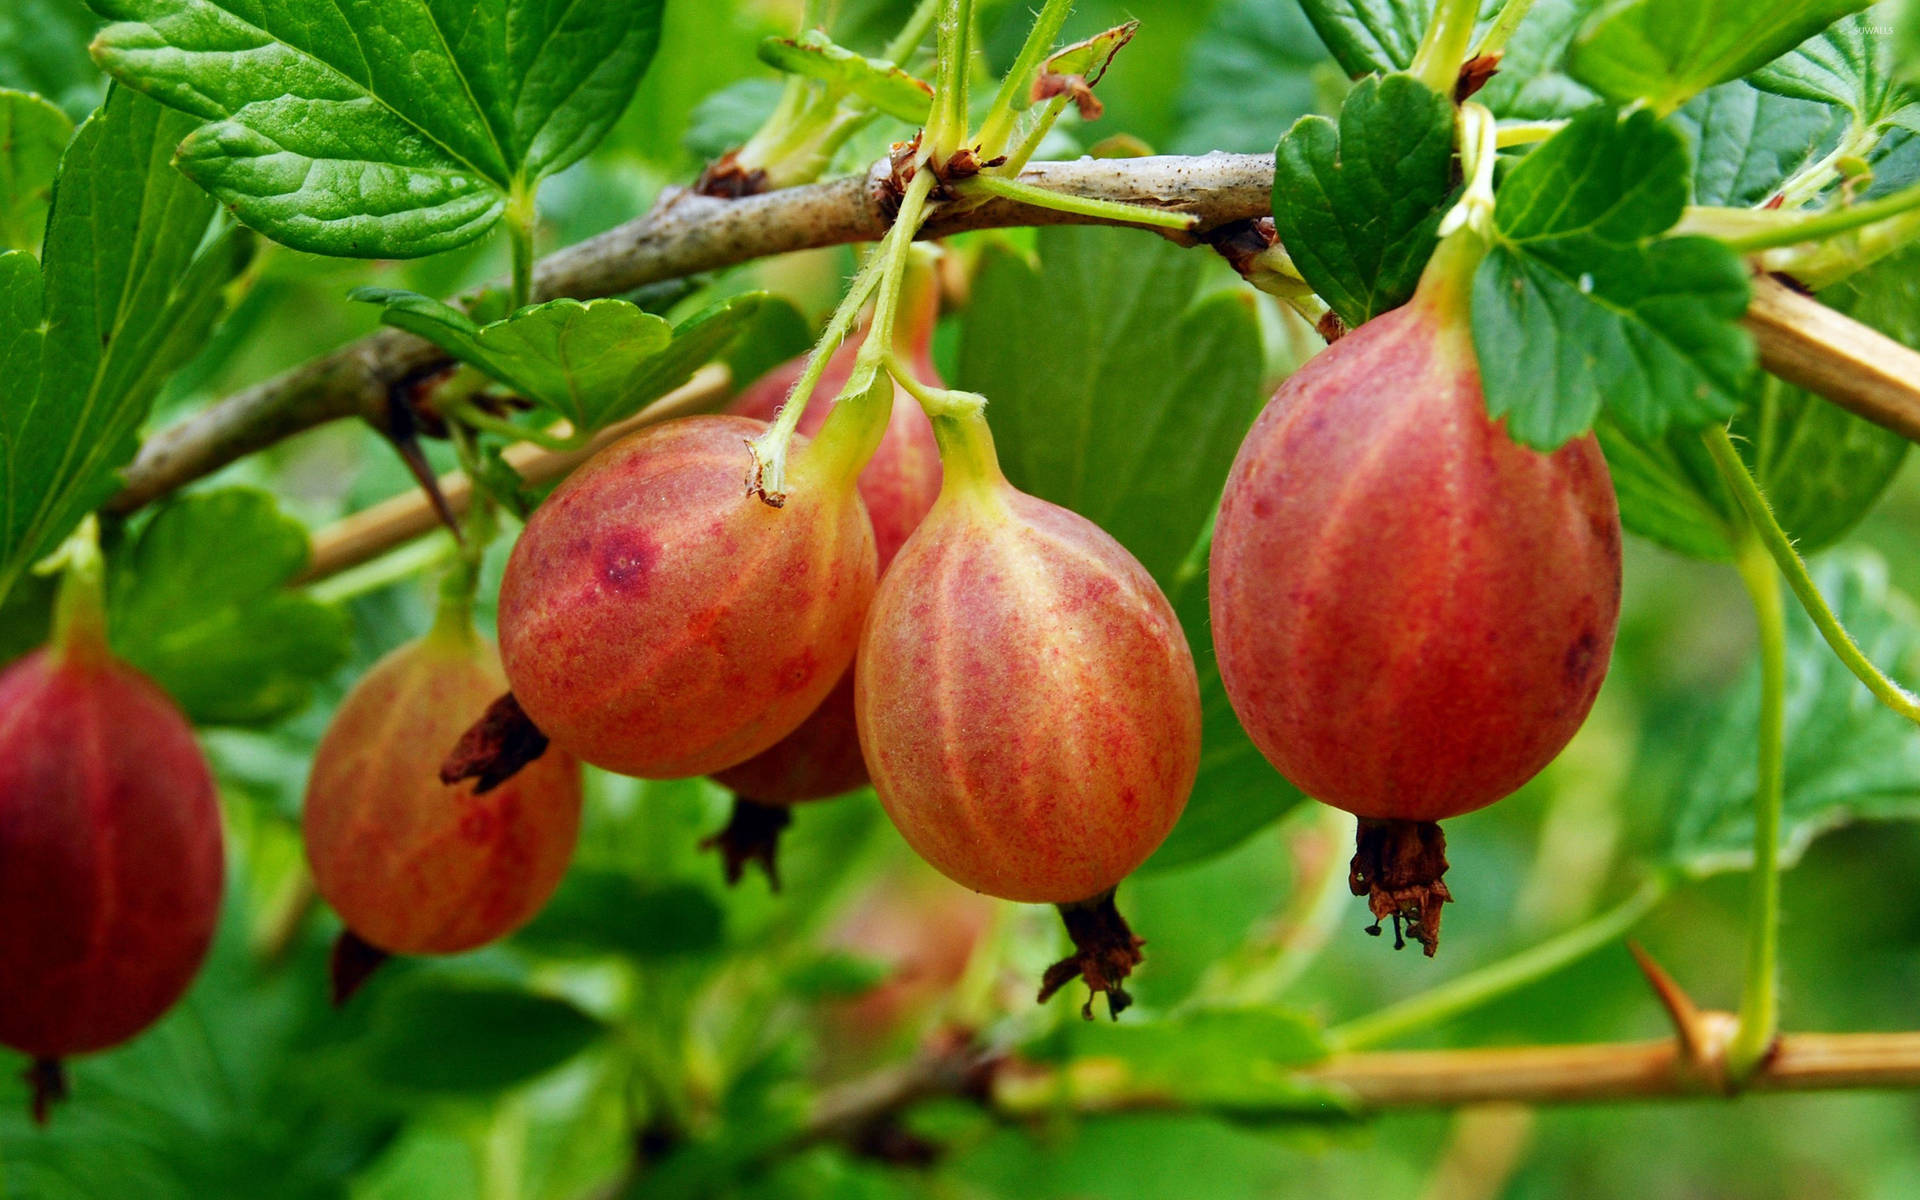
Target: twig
(1800, 339)
(684, 234)
(1378, 1080)
(1803, 1062)
(1860, 369)
(373, 531)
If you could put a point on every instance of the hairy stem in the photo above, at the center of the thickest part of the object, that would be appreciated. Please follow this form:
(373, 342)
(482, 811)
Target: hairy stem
(1444, 45)
(1498, 34)
(1765, 528)
(1085, 206)
(685, 234)
(946, 129)
(1759, 1016)
(520, 226)
(997, 128)
(1829, 223)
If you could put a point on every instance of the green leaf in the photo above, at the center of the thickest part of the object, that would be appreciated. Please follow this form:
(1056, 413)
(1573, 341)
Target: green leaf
(43, 49)
(1356, 206)
(702, 338)
(1532, 83)
(218, 629)
(437, 1035)
(1250, 72)
(573, 357)
(593, 362)
(1848, 757)
(1664, 52)
(1365, 36)
(1746, 142)
(881, 84)
(1580, 305)
(20, 338)
(777, 332)
(1227, 1060)
(1132, 415)
(130, 293)
(1822, 468)
(32, 135)
(377, 130)
(599, 911)
(1849, 65)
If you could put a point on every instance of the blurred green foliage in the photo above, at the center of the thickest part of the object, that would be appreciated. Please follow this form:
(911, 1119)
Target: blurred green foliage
(651, 1010)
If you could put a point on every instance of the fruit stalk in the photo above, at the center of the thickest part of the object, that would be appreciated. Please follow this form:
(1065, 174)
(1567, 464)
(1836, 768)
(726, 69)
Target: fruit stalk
(1759, 1014)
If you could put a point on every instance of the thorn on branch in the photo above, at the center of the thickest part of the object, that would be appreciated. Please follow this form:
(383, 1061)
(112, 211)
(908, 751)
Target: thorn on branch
(408, 416)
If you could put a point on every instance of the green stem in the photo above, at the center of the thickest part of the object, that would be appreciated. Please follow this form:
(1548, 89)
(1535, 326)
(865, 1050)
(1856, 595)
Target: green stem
(859, 419)
(1490, 983)
(1494, 41)
(520, 224)
(1759, 1017)
(404, 563)
(966, 451)
(912, 33)
(1443, 48)
(80, 607)
(458, 587)
(1813, 178)
(1086, 206)
(946, 130)
(1017, 84)
(476, 418)
(1766, 528)
(1526, 133)
(1022, 154)
(1827, 224)
(771, 448)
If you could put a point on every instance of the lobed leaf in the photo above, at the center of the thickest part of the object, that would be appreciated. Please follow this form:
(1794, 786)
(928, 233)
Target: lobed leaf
(1233, 1061)
(1580, 305)
(1849, 65)
(1365, 36)
(380, 130)
(1356, 205)
(1821, 467)
(219, 630)
(1746, 142)
(591, 362)
(1664, 52)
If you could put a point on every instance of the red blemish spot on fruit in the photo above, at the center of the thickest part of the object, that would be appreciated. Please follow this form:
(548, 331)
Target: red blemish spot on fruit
(1581, 657)
(796, 672)
(626, 559)
(477, 824)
